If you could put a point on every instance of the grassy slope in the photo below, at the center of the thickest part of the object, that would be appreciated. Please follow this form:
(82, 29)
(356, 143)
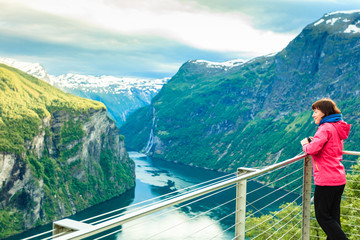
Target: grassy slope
(25, 101)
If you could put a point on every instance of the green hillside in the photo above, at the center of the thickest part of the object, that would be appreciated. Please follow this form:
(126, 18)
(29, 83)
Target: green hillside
(25, 101)
(208, 117)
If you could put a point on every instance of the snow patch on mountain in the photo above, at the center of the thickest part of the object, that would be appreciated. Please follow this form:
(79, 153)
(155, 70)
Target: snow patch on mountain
(107, 84)
(342, 12)
(332, 21)
(353, 28)
(347, 19)
(34, 69)
(222, 65)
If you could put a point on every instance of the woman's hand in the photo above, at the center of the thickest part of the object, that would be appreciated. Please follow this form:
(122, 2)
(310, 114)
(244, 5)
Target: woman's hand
(304, 141)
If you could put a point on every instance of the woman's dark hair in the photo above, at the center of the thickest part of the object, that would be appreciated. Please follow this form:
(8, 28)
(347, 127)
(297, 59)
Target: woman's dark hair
(326, 106)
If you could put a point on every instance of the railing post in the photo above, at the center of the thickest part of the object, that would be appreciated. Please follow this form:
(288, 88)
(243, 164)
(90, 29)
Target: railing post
(240, 212)
(305, 228)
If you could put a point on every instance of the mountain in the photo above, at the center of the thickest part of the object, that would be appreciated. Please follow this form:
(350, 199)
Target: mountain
(253, 113)
(121, 96)
(58, 153)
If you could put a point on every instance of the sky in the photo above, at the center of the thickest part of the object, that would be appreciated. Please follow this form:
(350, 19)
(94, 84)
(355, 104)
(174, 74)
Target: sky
(150, 38)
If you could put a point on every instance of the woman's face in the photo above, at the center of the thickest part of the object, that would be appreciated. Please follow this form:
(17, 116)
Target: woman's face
(318, 115)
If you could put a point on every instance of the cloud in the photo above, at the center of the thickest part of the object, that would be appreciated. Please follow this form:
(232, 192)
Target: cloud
(22, 21)
(91, 21)
(280, 16)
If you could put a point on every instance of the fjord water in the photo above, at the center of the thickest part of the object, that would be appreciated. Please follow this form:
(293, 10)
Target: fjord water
(155, 178)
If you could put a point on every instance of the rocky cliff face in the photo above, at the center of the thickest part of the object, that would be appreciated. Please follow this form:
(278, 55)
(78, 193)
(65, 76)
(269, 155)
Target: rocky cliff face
(23, 190)
(253, 113)
(75, 158)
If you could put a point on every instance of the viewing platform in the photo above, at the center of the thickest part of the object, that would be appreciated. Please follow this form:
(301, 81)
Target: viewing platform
(293, 220)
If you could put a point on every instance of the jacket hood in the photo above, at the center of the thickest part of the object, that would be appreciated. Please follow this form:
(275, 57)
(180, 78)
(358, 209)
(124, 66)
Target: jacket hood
(342, 128)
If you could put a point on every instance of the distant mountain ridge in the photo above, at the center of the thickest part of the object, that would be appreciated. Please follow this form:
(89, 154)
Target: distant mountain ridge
(254, 113)
(121, 96)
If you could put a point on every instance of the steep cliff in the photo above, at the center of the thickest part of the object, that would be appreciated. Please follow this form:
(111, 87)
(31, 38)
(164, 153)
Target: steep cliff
(58, 153)
(222, 117)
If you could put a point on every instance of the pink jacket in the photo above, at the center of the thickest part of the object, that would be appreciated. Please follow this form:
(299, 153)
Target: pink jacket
(326, 150)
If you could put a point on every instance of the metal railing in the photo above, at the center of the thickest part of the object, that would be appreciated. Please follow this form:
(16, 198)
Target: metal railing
(82, 230)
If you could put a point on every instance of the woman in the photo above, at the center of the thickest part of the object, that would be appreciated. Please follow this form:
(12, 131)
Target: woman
(329, 174)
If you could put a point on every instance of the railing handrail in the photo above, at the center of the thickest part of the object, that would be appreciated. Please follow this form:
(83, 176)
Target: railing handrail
(351, 153)
(95, 229)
